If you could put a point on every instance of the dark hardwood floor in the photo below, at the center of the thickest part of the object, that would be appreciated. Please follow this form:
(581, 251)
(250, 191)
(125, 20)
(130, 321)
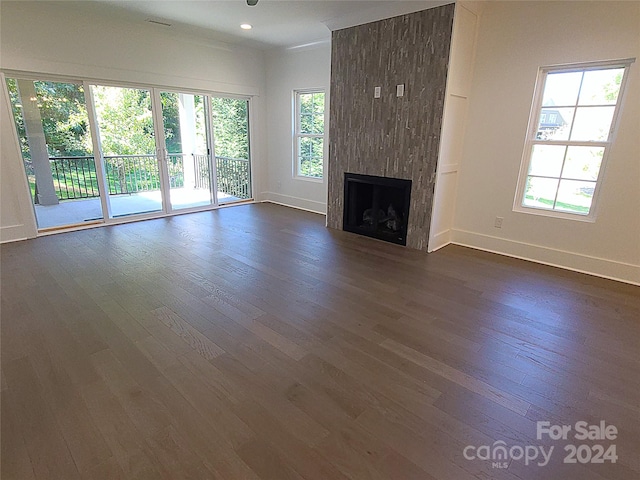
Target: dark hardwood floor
(254, 343)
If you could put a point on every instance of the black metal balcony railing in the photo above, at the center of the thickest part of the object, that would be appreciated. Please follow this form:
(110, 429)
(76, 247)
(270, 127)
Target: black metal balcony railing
(201, 166)
(232, 176)
(75, 177)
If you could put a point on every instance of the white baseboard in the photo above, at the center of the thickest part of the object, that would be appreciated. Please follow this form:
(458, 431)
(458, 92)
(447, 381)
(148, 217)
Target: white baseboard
(295, 202)
(14, 233)
(439, 240)
(600, 267)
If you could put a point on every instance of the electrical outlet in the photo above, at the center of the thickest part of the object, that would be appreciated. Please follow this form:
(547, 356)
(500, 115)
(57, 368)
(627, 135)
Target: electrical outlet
(498, 222)
(400, 90)
(376, 92)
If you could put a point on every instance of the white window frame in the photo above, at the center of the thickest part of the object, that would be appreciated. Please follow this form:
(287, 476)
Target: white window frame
(531, 140)
(297, 135)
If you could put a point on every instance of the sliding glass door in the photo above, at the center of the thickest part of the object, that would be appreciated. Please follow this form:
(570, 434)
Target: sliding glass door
(233, 161)
(187, 146)
(57, 151)
(127, 151)
(128, 146)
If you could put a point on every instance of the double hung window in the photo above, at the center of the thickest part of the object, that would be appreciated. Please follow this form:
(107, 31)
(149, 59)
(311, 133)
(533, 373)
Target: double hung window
(309, 134)
(571, 128)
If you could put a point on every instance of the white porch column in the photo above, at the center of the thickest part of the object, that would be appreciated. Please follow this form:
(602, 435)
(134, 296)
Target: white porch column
(37, 143)
(187, 112)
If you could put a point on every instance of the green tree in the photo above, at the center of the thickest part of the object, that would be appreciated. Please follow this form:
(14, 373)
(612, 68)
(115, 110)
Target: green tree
(16, 107)
(125, 120)
(64, 118)
(231, 127)
(611, 90)
(171, 120)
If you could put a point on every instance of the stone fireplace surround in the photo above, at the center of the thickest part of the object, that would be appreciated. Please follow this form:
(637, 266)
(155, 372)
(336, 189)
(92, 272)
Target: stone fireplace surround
(390, 136)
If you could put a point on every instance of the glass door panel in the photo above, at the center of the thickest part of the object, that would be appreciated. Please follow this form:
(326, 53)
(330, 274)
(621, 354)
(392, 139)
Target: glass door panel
(187, 147)
(233, 161)
(55, 139)
(125, 126)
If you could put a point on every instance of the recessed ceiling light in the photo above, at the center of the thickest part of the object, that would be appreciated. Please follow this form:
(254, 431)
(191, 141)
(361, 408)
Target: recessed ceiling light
(246, 26)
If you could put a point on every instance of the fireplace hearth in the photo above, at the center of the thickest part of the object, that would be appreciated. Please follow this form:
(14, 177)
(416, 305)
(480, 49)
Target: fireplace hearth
(377, 207)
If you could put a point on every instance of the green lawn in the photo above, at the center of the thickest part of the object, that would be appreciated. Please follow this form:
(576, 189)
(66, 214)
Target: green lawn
(560, 205)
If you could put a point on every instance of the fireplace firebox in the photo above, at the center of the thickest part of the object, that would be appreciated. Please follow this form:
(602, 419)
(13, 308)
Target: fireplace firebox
(377, 207)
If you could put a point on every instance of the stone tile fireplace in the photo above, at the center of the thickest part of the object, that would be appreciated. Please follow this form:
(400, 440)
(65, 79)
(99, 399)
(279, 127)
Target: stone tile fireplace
(390, 136)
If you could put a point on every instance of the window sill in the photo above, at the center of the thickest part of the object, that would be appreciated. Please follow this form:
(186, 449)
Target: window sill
(590, 218)
(309, 179)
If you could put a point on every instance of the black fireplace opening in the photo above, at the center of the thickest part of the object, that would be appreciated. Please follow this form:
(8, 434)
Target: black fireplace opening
(377, 206)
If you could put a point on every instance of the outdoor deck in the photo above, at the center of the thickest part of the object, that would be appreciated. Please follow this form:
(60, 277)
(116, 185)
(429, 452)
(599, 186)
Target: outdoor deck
(69, 212)
(134, 186)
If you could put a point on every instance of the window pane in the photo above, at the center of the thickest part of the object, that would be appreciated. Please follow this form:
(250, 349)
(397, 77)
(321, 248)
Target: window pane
(310, 155)
(554, 123)
(306, 123)
(306, 103)
(311, 113)
(601, 87)
(318, 103)
(561, 89)
(317, 145)
(311, 147)
(540, 192)
(583, 163)
(318, 123)
(546, 160)
(311, 167)
(575, 196)
(304, 147)
(592, 123)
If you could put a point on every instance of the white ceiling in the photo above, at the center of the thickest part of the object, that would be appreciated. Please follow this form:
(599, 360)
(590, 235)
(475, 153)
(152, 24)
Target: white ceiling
(276, 23)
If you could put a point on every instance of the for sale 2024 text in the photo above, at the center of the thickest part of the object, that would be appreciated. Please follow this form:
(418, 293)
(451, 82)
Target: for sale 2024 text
(582, 431)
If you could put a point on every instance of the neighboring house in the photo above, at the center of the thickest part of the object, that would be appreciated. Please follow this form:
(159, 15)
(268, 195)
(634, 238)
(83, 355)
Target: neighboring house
(550, 120)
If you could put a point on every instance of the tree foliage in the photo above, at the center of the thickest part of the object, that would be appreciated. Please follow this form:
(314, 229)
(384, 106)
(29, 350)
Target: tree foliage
(231, 127)
(312, 113)
(64, 118)
(125, 120)
(171, 119)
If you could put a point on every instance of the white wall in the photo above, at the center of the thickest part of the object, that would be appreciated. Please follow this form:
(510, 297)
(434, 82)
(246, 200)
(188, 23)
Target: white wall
(459, 77)
(289, 70)
(66, 39)
(515, 38)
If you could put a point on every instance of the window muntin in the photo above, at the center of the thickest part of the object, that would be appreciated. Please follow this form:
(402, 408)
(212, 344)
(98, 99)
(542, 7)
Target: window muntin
(575, 113)
(309, 138)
